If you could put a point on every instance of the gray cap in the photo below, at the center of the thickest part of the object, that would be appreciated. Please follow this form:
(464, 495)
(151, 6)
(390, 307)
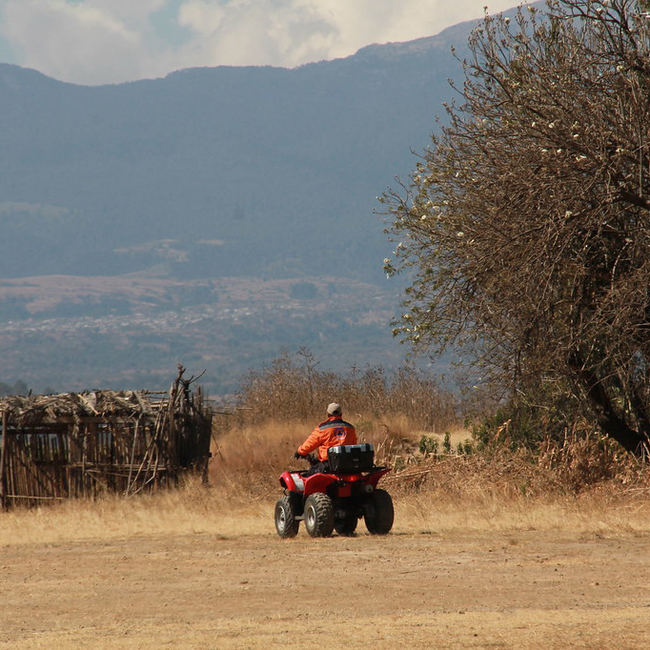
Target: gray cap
(334, 409)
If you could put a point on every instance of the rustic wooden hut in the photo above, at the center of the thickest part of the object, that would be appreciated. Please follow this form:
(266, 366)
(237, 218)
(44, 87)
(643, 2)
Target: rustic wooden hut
(83, 444)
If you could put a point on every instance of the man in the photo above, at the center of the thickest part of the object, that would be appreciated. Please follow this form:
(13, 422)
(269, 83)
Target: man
(330, 433)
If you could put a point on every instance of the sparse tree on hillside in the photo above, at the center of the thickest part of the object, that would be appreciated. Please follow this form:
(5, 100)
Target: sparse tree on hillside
(527, 222)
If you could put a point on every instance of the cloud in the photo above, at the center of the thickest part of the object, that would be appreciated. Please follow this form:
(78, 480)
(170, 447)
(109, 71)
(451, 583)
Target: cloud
(72, 42)
(104, 41)
(244, 32)
(292, 32)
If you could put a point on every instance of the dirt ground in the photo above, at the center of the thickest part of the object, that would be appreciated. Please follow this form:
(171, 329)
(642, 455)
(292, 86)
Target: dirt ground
(464, 588)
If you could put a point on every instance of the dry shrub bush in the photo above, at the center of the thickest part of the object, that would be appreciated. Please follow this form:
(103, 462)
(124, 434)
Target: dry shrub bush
(289, 390)
(279, 406)
(583, 463)
(587, 459)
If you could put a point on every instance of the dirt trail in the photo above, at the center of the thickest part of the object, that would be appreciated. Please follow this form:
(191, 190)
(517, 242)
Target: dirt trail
(461, 589)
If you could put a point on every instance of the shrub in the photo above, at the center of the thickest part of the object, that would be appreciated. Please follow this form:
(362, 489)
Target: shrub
(446, 443)
(521, 424)
(289, 390)
(428, 446)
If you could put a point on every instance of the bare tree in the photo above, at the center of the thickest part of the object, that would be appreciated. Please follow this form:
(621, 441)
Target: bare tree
(527, 222)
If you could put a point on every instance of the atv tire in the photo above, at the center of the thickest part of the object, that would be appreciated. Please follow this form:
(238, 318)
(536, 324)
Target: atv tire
(379, 513)
(346, 525)
(285, 518)
(319, 515)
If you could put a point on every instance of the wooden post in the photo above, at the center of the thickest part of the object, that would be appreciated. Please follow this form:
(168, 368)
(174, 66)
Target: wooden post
(132, 460)
(172, 434)
(3, 482)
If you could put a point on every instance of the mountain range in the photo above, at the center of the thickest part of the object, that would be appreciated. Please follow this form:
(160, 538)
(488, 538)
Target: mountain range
(209, 190)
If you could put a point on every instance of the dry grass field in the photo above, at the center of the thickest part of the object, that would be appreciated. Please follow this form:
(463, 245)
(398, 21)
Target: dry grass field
(471, 562)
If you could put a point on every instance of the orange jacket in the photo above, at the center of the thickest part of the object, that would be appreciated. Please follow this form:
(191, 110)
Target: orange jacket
(334, 431)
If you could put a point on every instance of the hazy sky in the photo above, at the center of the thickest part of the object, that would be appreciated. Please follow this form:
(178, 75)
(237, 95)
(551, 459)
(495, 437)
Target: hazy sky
(107, 41)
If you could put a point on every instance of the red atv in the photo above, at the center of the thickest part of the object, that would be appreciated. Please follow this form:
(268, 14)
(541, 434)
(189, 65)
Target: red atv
(336, 499)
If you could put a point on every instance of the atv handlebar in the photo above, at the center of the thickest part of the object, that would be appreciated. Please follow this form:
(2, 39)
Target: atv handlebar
(310, 458)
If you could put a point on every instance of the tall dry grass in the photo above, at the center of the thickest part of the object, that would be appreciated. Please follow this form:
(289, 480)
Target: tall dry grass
(449, 495)
(581, 484)
(577, 486)
(192, 508)
(249, 457)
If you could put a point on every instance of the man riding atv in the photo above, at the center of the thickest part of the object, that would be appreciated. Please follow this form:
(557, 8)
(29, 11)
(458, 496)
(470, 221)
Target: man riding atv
(332, 432)
(338, 490)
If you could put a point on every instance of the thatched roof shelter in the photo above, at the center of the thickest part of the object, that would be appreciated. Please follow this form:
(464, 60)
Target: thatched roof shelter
(77, 444)
(51, 409)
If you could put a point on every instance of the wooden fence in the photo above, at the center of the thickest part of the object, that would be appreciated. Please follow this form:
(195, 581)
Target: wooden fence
(83, 444)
